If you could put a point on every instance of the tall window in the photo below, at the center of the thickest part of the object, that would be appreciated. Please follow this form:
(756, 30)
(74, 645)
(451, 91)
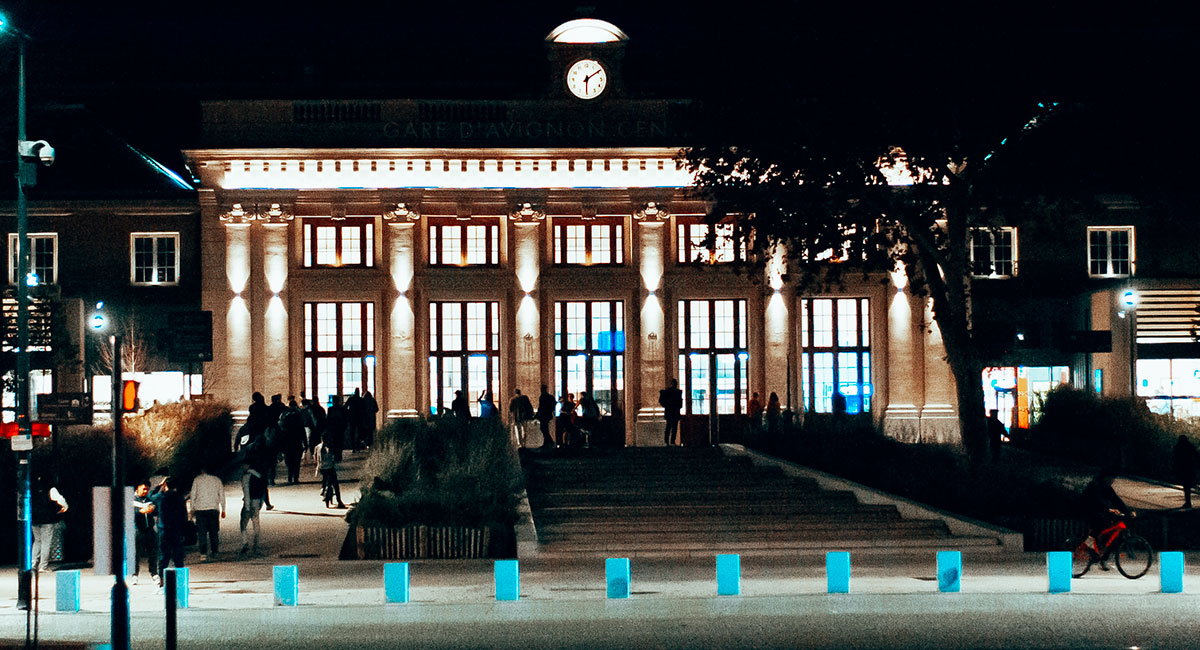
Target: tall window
(43, 257)
(704, 243)
(713, 356)
(588, 241)
(339, 242)
(464, 352)
(835, 341)
(464, 242)
(589, 346)
(994, 252)
(1110, 251)
(339, 348)
(155, 258)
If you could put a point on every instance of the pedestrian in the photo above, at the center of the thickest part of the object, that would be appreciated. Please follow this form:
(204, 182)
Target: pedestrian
(170, 507)
(589, 416)
(487, 406)
(145, 536)
(47, 507)
(354, 409)
(337, 419)
(996, 433)
(755, 411)
(330, 489)
(314, 424)
(292, 442)
(774, 414)
(564, 426)
(275, 411)
(545, 413)
(206, 504)
(462, 411)
(520, 410)
(254, 488)
(366, 423)
(256, 423)
(671, 400)
(1184, 462)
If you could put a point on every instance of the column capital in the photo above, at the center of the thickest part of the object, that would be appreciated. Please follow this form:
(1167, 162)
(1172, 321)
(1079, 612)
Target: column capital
(651, 212)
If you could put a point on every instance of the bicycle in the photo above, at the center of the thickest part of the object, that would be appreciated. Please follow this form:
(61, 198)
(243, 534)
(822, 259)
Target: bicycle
(1132, 553)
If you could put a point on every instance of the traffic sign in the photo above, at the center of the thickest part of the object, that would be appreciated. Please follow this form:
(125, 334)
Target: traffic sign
(64, 408)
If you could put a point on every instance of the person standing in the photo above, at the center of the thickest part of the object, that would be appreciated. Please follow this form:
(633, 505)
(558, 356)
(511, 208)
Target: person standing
(545, 413)
(145, 539)
(671, 400)
(337, 419)
(47, 507)
(564, 426)
(755, 411)
(314, 423)
(996, 433)
(589, 416)
(206, 502)
(487, 406)
(366, 423)
(170, 507)
(256, 423)
(520, 409)
(292, 442)
(774, 414)
(254, 488)
(462, 411)
(330, 488)
(354, 414)
(1184, 461)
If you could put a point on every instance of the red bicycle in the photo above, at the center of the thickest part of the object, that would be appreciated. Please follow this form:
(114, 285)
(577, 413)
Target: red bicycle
(1132, 552)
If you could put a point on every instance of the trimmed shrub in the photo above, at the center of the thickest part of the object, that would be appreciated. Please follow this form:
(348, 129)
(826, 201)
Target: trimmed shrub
(432, 472)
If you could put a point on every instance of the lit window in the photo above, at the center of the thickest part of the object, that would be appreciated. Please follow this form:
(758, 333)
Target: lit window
(589, 346)
(472, 242)
(339, 242)
(464, 353)
(43, 258)
(994, 252)
(704, 243)
(1110, 251)
(713, 358)
(155, 258)
(839, 359)
(339, 348)
(591, 241)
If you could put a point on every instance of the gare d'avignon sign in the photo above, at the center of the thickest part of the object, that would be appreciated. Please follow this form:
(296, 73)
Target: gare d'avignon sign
(590, 130)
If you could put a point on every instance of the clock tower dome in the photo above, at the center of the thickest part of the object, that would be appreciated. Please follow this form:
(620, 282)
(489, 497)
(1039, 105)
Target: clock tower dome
(585, 59)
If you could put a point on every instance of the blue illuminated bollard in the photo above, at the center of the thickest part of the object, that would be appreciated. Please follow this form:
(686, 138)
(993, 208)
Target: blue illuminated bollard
(1058, 569)
(395, 582)
(949, 571)
(837, 572)
(616, 576)
(182, 578)
(508, 580)
(729, 574)
(1170, 571)
(287, 585)
(66, 591)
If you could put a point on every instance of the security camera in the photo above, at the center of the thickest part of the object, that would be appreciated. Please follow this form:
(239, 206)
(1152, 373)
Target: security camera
(39, 149)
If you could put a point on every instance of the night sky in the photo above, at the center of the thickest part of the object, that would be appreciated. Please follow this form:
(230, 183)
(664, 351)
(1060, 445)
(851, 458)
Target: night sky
(142, 67)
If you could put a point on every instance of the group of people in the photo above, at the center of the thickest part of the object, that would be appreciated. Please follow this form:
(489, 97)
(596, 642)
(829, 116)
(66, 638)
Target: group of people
(162, 512)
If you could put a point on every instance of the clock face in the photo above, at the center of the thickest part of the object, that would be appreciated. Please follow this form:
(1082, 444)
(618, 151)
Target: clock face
(586, 79)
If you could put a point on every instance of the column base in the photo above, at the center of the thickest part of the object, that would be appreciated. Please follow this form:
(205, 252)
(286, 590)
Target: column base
(902, 422)
(939, 424)
(402, 414)
(648, 427)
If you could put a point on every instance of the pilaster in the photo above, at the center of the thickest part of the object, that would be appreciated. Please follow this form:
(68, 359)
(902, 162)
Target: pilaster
(400, 393)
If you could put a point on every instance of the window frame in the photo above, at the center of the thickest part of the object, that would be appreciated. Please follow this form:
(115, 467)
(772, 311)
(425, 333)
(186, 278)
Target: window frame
(312, 352)
(592, 350)
(689, 255)
(709, 349)
(813, 342)
(12, 256)
(310, 249)
(992, 263)
(491, 250)
(1109, 230)
(154, 237)
(436, 353)
(616, 240)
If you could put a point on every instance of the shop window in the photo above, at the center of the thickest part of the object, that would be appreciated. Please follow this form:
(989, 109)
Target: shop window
(464, 242)
(994, 252)
(43, 257)
(339, 242)
(1110, 251)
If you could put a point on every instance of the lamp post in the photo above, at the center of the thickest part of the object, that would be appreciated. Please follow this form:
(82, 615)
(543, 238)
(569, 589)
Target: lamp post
(1129, 303)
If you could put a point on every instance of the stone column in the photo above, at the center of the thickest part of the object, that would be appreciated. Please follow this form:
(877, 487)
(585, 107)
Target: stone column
(905, 370)
(777, 330)
(276, 358)
(939, 415)
(526, 262)
(400, 394)
(652, 366)
(238, 377)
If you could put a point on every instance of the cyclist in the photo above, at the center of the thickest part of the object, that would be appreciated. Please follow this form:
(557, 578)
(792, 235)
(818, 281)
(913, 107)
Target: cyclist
(1102, 507)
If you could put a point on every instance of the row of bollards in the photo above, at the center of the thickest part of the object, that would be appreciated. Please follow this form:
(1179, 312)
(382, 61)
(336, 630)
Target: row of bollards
(618, 578)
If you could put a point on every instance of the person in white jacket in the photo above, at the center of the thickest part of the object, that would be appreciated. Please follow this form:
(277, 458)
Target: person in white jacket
(206, 507)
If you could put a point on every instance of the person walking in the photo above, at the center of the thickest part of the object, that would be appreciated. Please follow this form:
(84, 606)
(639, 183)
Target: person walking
(256, 423)
(170, 507)
(671, 400)
(366, 422)
(206, 505)
(487, 406)
(520, 410)
(47, 507)
(337, 420)
(589, 416)
(564, 426)
(292, 442)
(330, 489)
(996, 433)
(314, 424)
(254, 488)
(545, 413)
(1184, 461)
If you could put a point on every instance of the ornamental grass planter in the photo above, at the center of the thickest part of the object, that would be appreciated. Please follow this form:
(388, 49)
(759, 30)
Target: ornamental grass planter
(420, 541)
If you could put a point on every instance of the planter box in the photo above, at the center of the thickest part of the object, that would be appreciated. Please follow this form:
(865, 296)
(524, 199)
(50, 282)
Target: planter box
(420, 541)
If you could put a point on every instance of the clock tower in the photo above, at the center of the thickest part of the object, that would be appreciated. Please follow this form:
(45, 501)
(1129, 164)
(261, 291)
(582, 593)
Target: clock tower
(585, 60)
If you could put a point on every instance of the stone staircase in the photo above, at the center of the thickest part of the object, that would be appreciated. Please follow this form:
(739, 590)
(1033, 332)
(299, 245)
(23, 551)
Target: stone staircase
(671, 502)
